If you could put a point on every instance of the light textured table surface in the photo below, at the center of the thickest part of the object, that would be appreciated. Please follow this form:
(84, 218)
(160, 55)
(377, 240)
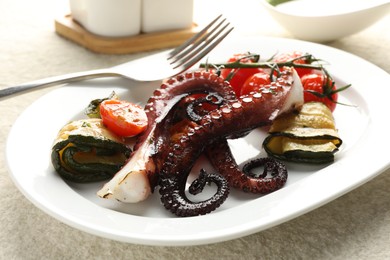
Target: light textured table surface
(354, 226)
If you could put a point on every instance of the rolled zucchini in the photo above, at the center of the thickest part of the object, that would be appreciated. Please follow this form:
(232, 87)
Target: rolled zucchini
(85, 151)
(309, 136)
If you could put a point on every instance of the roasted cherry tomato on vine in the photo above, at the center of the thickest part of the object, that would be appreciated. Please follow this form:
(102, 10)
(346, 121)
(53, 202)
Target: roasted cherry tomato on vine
(241, 74)
(255, 82)
(318, 87)
(123, 118)
(295, 55)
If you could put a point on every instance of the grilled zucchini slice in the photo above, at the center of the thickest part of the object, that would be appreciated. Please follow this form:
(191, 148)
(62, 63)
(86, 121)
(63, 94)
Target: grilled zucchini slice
(309, 136)
(86, 151)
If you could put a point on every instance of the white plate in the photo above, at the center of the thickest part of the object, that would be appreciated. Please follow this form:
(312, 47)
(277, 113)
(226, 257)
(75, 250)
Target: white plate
(363, 155)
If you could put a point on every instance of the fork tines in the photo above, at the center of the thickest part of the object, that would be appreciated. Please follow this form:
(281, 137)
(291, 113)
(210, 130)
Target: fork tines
(200, 44)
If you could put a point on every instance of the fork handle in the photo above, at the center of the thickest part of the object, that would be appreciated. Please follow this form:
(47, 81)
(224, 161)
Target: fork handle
(56, 80)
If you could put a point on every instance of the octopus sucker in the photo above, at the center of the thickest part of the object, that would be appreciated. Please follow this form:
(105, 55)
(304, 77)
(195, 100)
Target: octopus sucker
(166, 152)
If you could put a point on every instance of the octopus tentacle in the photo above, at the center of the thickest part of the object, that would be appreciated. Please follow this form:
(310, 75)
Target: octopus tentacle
(235, 118)
(174, 198)
(173, 179)
(223, 161)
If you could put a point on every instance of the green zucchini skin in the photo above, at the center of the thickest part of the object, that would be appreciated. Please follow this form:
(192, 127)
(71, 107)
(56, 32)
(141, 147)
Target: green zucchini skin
(302, 156)
(109, 155)
(307, 136)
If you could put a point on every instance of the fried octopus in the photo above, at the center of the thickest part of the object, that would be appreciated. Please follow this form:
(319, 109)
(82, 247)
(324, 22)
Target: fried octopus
(166, 152)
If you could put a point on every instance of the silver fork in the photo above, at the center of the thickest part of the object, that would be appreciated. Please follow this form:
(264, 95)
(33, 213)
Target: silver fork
(154, 67)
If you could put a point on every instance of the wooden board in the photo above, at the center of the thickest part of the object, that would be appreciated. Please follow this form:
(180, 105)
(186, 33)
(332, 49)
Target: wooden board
(70, 29)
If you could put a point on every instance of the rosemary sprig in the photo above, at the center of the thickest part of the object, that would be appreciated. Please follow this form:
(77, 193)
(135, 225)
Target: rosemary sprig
(311, 63)
(266, 64)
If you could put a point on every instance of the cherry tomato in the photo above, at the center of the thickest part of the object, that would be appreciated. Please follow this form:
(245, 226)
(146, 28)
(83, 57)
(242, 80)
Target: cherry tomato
(255, 82)
(240, 75)
(288, 56)
(317, 87)
(123, 118)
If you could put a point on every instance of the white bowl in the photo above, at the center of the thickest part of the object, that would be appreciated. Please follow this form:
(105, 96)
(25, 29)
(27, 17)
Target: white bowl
(326, 26)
